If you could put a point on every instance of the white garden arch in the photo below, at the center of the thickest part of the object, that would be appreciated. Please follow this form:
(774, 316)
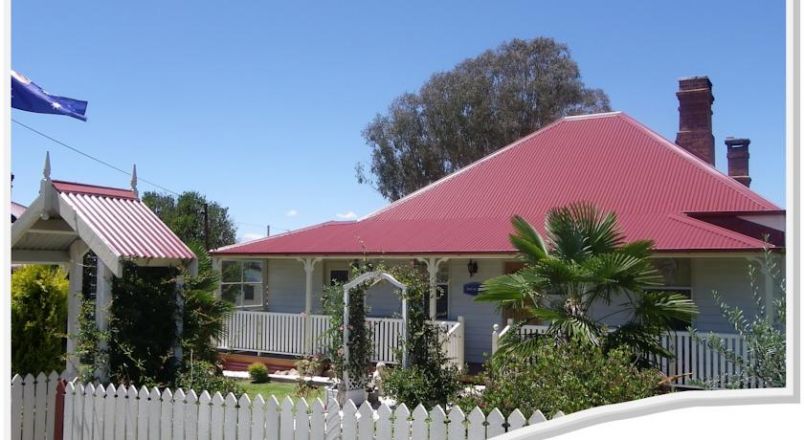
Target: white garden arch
(373, 277)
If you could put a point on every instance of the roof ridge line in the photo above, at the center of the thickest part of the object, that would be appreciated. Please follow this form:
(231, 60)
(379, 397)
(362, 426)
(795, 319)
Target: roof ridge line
(592, 115)
(92, 185)
(467, 167)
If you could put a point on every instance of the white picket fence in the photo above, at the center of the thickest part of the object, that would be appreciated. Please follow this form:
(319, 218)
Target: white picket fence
(127, 413)
(284, 334)
(694, 361)
(33, 412)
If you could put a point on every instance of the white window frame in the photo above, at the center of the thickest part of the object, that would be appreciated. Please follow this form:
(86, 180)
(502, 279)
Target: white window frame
(240, 300)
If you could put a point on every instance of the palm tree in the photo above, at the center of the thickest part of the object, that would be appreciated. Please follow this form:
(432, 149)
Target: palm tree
(584, 261)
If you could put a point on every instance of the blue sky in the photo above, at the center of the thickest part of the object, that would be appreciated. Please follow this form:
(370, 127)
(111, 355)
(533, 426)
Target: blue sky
(260, 105)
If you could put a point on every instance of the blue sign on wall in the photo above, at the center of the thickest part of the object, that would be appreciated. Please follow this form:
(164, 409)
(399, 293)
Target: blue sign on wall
(471, 288)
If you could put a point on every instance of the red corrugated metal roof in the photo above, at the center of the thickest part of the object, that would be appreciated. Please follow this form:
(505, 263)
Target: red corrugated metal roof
(123, 222)
(610, 160)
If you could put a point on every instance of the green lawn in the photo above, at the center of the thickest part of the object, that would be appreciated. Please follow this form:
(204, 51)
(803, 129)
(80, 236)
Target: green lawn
(278, 389)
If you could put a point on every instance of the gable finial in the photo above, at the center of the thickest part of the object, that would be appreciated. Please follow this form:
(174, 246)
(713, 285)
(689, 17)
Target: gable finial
(134, 180)
(46, 171)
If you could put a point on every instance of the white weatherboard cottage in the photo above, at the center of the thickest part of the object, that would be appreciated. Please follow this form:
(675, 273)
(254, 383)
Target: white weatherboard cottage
(707, 227)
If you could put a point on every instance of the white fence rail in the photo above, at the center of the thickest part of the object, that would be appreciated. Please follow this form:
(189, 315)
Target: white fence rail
(694, 361)
(284, 333)
(123, 413)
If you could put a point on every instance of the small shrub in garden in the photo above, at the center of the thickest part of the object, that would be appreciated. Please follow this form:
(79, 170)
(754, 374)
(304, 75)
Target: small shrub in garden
(201, 375)
(567, 377)
(308, 367)
(258, 372)
(38, 318)
(426, 385)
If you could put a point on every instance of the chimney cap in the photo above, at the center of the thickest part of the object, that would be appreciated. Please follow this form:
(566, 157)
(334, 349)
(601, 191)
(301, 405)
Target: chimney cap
(694, 82)
(734, 141)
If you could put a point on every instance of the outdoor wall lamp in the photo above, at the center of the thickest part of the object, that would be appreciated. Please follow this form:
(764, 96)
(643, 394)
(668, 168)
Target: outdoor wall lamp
(472, 266)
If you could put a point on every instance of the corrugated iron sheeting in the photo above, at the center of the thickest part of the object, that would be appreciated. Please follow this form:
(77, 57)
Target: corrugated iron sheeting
(610, 160)
(129, 227)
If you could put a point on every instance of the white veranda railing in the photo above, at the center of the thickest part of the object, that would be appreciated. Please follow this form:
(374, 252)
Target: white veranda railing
(284, 334)
(694, 361)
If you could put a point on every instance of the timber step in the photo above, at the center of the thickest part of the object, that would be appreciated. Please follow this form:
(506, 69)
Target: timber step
(241, 361)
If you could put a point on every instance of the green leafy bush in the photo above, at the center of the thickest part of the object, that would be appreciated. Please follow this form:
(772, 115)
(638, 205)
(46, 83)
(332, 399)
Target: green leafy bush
(258, 373)
(427, 385)
(142, 326)
(567, 377)
(38, 319)
(430, 379)
(201, 375)
(204, 313)
(141, 337)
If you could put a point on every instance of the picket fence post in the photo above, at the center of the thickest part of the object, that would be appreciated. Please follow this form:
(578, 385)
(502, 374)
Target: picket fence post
(401, 422)
(332, 424)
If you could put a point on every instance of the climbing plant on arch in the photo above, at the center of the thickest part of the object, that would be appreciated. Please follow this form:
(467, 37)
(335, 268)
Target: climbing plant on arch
(354, 371)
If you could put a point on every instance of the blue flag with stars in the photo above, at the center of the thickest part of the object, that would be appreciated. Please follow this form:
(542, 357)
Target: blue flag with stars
(26, 95)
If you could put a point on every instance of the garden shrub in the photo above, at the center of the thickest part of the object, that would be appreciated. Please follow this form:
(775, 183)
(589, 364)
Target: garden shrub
(308, 367)
(430, 379)
(142, 326)
(428, 385)
(202, 375)
(204, 313)
(38, 319)
(142, 335)
(258, 373)
(567, 377)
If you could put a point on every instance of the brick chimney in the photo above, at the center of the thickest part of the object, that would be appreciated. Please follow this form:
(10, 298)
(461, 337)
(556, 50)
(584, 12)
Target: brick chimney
(737, 153)
(695, 117)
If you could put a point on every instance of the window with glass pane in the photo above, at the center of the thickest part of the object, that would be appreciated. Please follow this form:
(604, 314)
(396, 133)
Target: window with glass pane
(241, 282)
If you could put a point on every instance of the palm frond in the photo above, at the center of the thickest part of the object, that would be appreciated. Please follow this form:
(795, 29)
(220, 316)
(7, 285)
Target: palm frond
(638, 248)
(527, 241)
(642, 340)
(661, 308)
(508, 290)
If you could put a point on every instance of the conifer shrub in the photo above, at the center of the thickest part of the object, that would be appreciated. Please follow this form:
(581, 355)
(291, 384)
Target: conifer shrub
(38, 319)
